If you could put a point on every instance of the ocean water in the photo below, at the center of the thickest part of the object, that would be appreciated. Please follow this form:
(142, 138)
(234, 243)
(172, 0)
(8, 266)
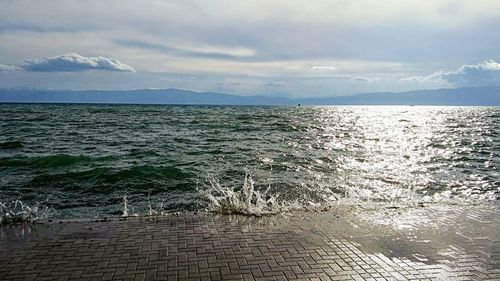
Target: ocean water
(86, 161)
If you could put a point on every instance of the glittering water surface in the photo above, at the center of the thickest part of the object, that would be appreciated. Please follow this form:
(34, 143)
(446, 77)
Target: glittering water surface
(70, 161)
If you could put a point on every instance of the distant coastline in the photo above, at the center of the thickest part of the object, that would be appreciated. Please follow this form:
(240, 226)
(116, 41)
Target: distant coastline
(481, 96)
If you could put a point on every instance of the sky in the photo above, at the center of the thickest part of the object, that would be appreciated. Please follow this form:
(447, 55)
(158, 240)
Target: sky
(297, 48)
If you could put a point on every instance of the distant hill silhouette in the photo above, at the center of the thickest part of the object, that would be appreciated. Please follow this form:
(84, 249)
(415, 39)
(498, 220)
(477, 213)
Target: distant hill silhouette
(458, 96)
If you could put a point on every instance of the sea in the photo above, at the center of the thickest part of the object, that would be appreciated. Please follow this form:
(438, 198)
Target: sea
(68, 161)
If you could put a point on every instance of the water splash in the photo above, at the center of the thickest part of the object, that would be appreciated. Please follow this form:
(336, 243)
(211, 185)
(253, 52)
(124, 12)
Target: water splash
(249, 201)
(128, 210)
(246, 200)
(153, 211)
(125, 206)
(17, 211)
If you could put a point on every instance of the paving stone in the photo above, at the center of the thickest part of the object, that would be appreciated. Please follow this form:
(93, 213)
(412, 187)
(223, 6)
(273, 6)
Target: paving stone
(211, 247)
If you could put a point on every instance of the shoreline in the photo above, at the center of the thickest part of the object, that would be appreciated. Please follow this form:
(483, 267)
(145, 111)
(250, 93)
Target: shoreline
(341, 205)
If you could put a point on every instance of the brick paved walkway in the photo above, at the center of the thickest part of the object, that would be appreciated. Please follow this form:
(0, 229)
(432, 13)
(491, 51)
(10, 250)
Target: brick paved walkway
(422, 243)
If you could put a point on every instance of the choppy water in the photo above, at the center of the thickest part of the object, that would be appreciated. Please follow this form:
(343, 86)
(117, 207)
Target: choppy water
(72, 161)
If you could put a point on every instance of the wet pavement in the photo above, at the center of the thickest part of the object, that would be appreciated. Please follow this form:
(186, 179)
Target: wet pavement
(365, 242)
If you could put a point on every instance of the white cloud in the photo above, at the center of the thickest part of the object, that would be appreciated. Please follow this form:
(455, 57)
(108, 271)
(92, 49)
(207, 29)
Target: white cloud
(324, 68)
(364, 79)
(481, 74)
(9, 68)
(485, 73)
(74, 63)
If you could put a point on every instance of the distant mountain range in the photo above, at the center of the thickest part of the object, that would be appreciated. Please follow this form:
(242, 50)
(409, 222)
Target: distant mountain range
(458, 96)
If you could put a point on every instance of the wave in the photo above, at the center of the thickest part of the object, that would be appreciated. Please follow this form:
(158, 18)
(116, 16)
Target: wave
(102, 180)
(49, 161)
(11, 145)
(147, 172)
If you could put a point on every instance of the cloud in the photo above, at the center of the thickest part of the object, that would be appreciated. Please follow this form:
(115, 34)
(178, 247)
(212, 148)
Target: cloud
(482, 74)
(9, 68)
(191, 50)
(485, 73)
(74, 63)
(324, 68)
(330, 42)
(364, 79)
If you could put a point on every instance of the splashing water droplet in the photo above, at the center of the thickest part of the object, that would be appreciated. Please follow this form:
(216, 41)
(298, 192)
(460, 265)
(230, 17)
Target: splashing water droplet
(125, 206)
(249, 201)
